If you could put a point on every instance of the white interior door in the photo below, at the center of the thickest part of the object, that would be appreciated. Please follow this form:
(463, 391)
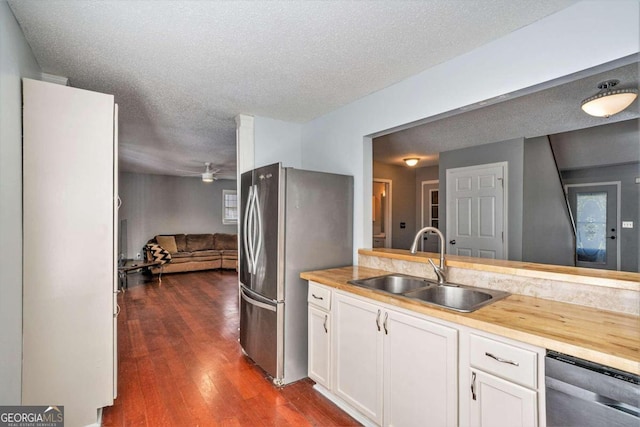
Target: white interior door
(476, 211)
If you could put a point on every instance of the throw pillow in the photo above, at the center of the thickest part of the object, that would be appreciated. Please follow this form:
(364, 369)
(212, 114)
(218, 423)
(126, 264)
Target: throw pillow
(158, 253)
(168, 243)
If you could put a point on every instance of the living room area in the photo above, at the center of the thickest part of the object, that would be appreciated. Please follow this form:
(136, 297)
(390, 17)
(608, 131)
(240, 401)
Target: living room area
(197, 219)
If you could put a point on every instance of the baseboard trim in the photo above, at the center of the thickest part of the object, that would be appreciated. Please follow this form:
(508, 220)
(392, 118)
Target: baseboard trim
(345, 406)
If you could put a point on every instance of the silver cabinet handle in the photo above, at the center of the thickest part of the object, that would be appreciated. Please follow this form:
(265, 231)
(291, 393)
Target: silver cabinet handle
(378, 320)
(501, 360)
(317, 297)
(326, 317)
(386, 318)
(473, 385)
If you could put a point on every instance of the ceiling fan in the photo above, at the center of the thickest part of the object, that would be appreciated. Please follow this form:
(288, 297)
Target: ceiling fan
(209, 175)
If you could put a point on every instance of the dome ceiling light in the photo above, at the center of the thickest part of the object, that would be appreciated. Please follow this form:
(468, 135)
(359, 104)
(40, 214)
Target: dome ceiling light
(608, 101)
(412, 161)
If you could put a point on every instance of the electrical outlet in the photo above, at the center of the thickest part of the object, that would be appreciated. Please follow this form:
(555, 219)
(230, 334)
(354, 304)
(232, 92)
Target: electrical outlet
(627, 224)
(138, 255)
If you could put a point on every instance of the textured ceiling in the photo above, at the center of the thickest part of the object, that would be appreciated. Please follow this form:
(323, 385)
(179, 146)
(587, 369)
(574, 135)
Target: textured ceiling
(181, 70)
(545, 112)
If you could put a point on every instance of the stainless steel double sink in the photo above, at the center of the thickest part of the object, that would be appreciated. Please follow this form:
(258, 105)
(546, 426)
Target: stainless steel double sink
(448, 295)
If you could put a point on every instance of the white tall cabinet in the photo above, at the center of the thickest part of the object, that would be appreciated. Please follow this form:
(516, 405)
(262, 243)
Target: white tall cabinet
(69, 184)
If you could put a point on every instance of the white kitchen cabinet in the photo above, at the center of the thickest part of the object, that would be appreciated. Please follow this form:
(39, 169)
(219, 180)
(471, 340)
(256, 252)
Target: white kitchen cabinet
(394, 368)
(69, 182)
(499, 403)
(319, 333)
(357, 354)
(420, 372)
(319, 347)
(502, 382)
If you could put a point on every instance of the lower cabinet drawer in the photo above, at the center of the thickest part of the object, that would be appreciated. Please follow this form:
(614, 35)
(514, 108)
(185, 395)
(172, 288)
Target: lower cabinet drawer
(504, 360)
(319, 296)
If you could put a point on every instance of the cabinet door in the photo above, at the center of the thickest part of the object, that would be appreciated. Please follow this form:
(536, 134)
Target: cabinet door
(68, 234)
(420, 372)
(357, 343)
(500, 403)
(319, 346)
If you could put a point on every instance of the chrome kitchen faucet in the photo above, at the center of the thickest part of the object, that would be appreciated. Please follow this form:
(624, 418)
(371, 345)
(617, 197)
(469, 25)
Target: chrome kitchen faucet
(441, 271)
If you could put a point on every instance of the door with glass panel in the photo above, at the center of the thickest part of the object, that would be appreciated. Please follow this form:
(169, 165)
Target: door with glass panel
(595, 212)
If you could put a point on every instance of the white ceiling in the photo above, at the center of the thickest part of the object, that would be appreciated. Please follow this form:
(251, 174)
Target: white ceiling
(542, 112)
(182, 70)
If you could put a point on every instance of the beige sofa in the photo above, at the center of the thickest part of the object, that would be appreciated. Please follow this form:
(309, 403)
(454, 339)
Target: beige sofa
(193, 252)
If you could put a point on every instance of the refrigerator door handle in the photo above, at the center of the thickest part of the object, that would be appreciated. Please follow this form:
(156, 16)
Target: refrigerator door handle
(255, 302)
(258, 247)
(248, 250)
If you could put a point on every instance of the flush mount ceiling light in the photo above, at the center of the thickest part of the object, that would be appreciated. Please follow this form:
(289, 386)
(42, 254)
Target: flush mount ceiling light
(411, 161)
(608, 101)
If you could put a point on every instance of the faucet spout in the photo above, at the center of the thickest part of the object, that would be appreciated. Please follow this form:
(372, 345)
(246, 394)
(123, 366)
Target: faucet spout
(441, 270)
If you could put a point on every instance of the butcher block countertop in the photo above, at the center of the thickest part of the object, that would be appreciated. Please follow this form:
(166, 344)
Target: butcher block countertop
(605, 337)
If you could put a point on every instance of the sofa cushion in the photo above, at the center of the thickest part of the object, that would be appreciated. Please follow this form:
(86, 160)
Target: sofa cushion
(225, 241)
(181, 242)
(206, 253)
(229, 254)
(168, 243)
(178, 255)
(199, 242)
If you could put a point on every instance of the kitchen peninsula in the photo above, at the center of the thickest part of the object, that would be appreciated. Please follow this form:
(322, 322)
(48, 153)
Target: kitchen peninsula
(588, 314)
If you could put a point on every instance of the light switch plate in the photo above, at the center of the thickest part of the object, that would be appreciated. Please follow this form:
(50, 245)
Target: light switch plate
(627, 224)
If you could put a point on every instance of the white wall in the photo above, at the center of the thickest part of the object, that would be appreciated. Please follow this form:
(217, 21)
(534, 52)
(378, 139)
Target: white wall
(162, 204)
(16, 61)
(279, 142)
(556, 46)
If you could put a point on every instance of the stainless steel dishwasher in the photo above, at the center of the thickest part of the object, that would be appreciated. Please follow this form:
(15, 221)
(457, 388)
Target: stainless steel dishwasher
(586, 394)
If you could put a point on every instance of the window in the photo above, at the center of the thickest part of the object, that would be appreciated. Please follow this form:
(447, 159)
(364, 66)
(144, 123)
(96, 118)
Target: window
(229, 207)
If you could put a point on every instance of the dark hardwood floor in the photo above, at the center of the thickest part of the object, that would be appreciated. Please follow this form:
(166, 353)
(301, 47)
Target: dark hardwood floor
(180, 363)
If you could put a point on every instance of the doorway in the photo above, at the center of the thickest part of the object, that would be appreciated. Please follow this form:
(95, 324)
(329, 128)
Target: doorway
(381, 203)
(429, 215)
(596, 209)
(476, 211)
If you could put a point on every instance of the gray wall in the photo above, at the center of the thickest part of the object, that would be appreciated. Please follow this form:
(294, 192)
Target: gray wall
(547, 232)
(511, 151)
(403, 207)
(629, 206)
(16, 61)
(610, 144)
(162, 204)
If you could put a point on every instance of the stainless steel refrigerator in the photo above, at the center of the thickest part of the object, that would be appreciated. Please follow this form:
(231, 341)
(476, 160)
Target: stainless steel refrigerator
(291, 221)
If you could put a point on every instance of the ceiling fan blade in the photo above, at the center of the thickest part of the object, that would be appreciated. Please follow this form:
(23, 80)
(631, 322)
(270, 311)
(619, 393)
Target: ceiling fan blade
(189, 172)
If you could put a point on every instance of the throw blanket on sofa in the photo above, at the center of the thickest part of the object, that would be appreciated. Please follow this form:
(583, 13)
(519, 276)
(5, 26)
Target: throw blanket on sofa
(158, 254)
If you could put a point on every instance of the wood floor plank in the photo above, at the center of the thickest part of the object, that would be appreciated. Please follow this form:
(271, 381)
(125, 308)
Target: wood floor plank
(180, 363)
